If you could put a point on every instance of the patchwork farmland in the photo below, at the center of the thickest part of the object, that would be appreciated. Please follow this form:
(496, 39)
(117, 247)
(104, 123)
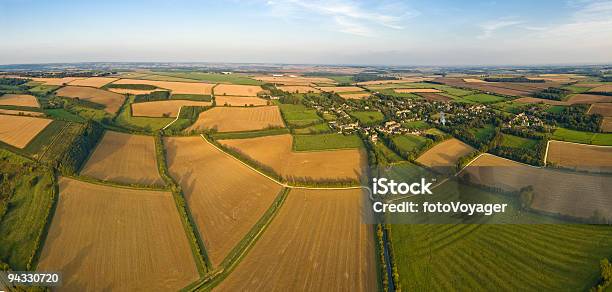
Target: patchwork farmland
(133, 238)
(319, 244)
(234, 119)
(18, 131)
(110, 100)
(277, 152)
(96, 82)
(226, 198)
(163, 108)
(175, 87)
(124, 158)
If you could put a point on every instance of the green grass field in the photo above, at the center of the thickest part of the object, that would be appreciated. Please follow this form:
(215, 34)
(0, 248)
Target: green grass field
(314, 129)
(297, 115)
(25, 217)
(45, 137)
(126, 120)
(409, 142)
(497, 257)
(62, 114)
(386, 155)
(197, 97)
(43, 89)
(418, 125)
(368, 117)
(250, 134)
(211, 77)
(510, 107)
(325, 142)
(484, 134)
(518, 142)
(562, 134)
(483, 98)
(89, 113)
(576, 88)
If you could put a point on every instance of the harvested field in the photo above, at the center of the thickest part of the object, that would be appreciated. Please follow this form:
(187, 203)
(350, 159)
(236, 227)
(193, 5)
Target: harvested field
(503, 88)
(96, 82)
(402, 80)
(588, 98)
(18, 131)
(540, 100)
(132, 91)
(57, 81)
(163, 108)
(341, 88)
(124, 158)
(239, 90)
(298, 89)
(225, 197)
(444, 155)
(354, 95)
(474, 80)
(434, 96)
(555, 191)
(277, 153)
(103, 237)
(604, 109)
(19, 100)
(298, 80)
(603, 88)
(112, 101)
(317, 242)
(233, 119)
(21, 113)
(175, 87)
(580, 156)
(606, 124)
(239, 100)
(413, 90)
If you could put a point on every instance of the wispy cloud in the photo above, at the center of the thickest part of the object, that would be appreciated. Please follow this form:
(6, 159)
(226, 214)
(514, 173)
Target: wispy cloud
(347, 16)
(490, 27)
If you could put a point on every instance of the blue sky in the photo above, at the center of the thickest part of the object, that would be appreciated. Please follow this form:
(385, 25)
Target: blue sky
(302, 31)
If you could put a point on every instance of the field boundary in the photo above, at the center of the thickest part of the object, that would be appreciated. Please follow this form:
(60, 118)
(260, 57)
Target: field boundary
(198, 249)
(176, 119)
(286, 185)
(582, 144)
(237, 254)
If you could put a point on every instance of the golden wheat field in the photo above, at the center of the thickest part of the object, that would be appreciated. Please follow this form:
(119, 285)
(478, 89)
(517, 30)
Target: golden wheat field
(19, 100)
(354, 95)
(237, 90)
(232, 119)
(555, 191)
(163, 108)
(96, 82)
(124, 158)
(603, 88)
(112, 101)
(276, 152)
(580, 156)
(316, 242)
(18, 131)
(604, 109)
(175, 87)
(225, 197)
(108, 238)
(297, 80)
(444, 155)
(588, 99)
(223, 100)
(133, 91)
